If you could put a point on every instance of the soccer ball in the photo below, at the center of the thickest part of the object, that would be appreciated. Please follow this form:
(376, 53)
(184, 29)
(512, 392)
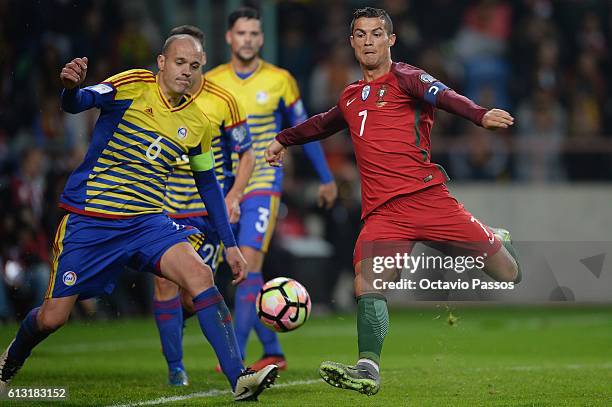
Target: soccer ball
(283, 304)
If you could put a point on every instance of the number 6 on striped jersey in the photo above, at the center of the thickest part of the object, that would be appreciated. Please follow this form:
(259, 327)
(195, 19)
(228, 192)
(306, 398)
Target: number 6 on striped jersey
(154, 149)
(363, 113)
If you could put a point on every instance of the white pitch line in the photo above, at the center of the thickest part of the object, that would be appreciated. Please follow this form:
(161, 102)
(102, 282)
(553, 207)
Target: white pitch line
(209, 393)
(571, 366)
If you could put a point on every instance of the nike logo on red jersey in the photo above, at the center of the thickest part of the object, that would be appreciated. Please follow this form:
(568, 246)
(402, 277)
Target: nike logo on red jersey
(350, 101)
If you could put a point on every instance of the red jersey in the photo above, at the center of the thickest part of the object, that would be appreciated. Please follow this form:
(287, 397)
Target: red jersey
(390, 121)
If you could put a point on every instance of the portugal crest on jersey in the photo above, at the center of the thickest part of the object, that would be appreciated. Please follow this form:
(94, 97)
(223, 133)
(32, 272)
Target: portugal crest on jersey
(380, 102)
(365, 92)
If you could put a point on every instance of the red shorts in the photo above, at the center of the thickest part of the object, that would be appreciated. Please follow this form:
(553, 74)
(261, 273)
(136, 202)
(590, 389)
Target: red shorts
(429, 215)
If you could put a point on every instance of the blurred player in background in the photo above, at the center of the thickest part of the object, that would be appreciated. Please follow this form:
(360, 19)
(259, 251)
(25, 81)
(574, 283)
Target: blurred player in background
(115, 203)
(390, 114)
(183, 204)
(270, 96)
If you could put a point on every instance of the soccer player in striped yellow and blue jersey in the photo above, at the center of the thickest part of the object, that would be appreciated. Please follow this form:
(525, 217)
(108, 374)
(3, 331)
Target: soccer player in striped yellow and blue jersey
(115, 201)
(183, 204)
(270, 96)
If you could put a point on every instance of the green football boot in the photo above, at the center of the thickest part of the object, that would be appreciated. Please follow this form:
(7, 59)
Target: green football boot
(504, 236)
(362, 377)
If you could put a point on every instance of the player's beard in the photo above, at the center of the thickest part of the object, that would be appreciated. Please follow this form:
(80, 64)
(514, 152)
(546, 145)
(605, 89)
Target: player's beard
(246, 60)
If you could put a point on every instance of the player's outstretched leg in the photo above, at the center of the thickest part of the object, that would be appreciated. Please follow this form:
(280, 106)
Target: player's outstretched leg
(216, 324)
(506, 239)
(372, 327)
(182, 265)
(169, 320)
(35, 327)
(503, 264)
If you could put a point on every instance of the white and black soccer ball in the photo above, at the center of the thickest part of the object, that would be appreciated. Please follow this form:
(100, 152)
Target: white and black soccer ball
(283, 304)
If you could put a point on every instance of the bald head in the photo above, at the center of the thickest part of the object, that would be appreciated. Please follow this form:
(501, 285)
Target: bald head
(181, 37)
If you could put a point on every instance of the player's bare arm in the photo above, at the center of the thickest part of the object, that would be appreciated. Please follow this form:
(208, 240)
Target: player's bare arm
(237, 263)
(327, 195)
(246, 163)
(74, 72)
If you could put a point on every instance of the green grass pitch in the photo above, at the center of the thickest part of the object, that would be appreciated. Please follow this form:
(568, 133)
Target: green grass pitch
(492, 355)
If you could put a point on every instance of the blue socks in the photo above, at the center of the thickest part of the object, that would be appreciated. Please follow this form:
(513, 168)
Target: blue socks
(216, 324)
(246, 317)
(28, 336)
(169, 320)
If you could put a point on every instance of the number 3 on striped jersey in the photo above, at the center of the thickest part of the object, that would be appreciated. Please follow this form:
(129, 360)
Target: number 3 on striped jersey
(363, 113)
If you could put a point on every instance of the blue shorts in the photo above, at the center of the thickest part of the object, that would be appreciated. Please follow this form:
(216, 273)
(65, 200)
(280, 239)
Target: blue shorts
(206, 244)
(257, 221)
(90, 253)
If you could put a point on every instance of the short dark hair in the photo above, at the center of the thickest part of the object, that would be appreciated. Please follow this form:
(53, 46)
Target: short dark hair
(192, 30)
(242, 12)
(371, 12)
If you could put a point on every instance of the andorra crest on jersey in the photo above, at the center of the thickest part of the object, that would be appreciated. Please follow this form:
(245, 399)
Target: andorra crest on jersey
(261, 97)
(365, 92)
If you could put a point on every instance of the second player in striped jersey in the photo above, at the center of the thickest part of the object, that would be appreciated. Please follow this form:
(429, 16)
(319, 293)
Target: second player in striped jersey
(271, 97)
(183, 204)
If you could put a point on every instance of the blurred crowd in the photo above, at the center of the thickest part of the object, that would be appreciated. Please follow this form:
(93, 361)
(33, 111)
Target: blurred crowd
(543, 60)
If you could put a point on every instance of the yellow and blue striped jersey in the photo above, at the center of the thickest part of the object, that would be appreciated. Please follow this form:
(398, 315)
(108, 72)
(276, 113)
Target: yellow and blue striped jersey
(269, 95)
(230, 135)
(137, 141)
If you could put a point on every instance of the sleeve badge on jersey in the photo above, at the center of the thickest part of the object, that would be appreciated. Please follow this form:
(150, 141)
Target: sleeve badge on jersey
(365, 92)
(238, 134)
(427, 78)
(182, 132)
(298, 108)
(100, 88)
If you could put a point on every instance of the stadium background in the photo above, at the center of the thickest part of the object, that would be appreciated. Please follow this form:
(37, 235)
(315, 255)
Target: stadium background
(547, 179)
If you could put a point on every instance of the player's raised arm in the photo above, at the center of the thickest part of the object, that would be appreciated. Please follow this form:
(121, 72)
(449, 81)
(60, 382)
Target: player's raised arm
(76, 100)
(74, 72)
(317, 127)
(418, 83)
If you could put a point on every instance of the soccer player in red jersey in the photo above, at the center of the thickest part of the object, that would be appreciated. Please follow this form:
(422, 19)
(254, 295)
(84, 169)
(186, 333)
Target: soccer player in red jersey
(389, 114)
